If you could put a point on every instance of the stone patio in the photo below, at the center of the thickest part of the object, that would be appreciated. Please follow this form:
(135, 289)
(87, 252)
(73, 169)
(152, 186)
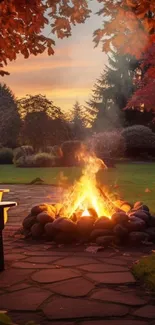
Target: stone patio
(67, 285)
(28, 196)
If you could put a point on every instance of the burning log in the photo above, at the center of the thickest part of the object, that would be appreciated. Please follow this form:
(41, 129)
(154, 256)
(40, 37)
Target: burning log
(109, 202)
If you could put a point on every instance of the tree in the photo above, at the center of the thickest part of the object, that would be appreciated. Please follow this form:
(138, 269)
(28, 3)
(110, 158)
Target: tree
(119, 76)
(112, 91)
(78, 122)
(99, 106)
(35, 131)
(144, 97)
(22, 23)
(38, 103)
(10, 122)
(44, 123)
(122, 73)
(130, 26)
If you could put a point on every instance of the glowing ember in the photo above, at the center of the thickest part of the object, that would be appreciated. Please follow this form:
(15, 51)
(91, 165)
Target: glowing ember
(85, 213)
(85, 193)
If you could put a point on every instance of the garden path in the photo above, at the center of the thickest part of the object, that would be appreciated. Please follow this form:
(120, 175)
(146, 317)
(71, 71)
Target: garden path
(69, 286)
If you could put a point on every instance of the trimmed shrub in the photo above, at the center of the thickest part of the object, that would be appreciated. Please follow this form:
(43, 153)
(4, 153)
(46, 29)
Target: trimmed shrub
(25, 161)
(22, 152)
(54, 151)
(107, 144)
(140, 141)
(6, 156)
(43, 159)
(69, 152)
(39, 160)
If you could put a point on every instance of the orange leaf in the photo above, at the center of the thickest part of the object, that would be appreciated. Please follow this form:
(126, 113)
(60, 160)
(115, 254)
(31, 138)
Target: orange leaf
(3, 73)
(50, 51)
(147, 190)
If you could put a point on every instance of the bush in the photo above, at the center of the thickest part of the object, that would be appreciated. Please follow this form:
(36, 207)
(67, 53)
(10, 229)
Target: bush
(69, 152)
(25, 161)
(6, 156)
(22, 152)
(43, 159)
(54, 151)
(140, 141)
(107, 144)
(39, 160)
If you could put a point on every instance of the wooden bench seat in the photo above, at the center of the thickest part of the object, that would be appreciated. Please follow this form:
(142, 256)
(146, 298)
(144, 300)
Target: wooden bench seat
(4, 207)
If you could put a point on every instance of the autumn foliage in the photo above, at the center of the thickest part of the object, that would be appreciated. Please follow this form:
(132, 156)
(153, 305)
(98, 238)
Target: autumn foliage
(144, 97)
(130, 26)
(22, 23)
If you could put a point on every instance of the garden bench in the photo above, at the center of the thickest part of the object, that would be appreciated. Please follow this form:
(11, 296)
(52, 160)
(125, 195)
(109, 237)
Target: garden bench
(4, 190)
(4, 207)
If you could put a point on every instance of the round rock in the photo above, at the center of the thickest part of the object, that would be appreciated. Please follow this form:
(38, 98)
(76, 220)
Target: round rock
(37, 230)
(99, 233)
(145, 208)
(39, 208)
(29, 221)
(64, 224)
(120, 231)
(120, 217)
(142, 207)
(44, 217)
(49, 230)
(141, 215)
(85, 225)
(135, 224)
(104, 223)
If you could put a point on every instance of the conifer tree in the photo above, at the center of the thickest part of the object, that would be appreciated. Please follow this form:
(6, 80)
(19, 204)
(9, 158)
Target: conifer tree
(112, 91)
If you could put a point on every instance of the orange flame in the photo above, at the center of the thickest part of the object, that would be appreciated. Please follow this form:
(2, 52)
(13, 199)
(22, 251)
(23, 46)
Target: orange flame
(85, 193)
(85, 213)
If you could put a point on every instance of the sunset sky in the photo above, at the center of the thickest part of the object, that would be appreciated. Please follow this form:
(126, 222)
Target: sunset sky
(67, 76)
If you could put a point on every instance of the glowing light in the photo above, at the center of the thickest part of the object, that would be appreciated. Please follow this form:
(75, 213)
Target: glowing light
(85, 213)
(86, 193)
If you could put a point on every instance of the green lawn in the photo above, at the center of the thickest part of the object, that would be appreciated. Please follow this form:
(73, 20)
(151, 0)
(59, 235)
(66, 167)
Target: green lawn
(144, 271)
(131, 180)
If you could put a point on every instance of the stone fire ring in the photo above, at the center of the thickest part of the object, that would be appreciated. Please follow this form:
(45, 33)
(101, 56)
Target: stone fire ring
(46, 221)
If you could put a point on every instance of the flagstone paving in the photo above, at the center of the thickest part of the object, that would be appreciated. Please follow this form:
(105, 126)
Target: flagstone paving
(28, 196)
(68, 286)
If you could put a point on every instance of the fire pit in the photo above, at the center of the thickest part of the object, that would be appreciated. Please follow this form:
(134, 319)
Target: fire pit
(89, 214)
